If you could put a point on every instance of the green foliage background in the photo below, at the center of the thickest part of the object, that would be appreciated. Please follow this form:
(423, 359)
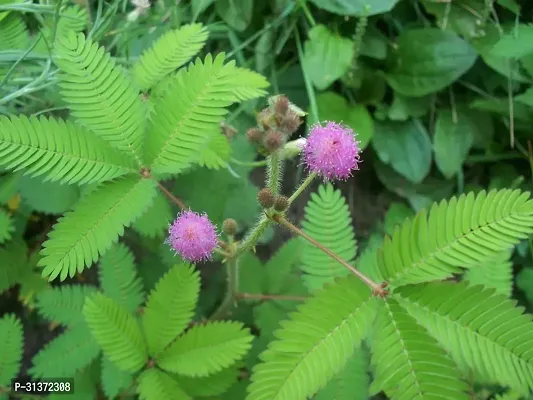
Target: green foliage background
(440, 94)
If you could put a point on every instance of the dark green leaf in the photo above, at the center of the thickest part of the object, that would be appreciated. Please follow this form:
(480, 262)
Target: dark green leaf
(236, 13)
(356, 7)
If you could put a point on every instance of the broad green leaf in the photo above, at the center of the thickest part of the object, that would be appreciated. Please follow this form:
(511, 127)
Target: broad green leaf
(429, 60)
(405, 146)
(327, 56)
(236, 13)
(526, 97)
(460, 17)
(356, 7)
(403, 107)
(117, 332)
(170, 307)
(452, 141)
(516, 43)
(333, 107)
(12, 340)
(59, 198)
(199, 6)
(82, 235)
(207, 349)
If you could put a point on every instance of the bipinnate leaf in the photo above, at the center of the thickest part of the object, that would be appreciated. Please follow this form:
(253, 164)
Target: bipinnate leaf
(58, 150)
(327, 220)
(64, 304)
(81, 236)
(99, 93)
(172, 50)
(113, 379)
(408, 362)
(495, 273)
(117, 332)
(12, 340)
(482, 331)
(155, 384)
(191, 109)
(170, 306)
(118, 277)
(207, 349)
(429, 60)
(315, 343)
(6, 226)
(65, 355)
(460, 232)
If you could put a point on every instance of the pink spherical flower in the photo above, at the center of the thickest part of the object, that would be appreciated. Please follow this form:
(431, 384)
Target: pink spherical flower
(193, 236)
(331, 151)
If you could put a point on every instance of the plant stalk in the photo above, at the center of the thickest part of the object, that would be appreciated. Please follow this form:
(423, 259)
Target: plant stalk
(232, 276)
(302, 187)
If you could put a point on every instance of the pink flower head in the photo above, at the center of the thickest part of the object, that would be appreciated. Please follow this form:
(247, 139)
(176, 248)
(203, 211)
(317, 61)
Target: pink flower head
(193, 236)
(331, 151)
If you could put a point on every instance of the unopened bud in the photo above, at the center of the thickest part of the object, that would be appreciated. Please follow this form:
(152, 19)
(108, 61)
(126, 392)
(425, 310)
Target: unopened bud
(281, 203)
(254, 135)
(273, 141)
(266, 198)
(264, 118)
(281, 106)
(291, 123)
(293, 148)
(230, 227)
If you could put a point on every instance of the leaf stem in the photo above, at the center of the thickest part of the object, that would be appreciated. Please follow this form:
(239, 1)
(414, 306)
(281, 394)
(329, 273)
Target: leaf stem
(260, 296)
(302, 187)
(260, 163)
(173, 198)
(377, 289)
(232, 276)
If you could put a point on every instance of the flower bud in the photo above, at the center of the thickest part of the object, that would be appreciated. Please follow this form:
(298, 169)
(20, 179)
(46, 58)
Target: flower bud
(293, 148)
(291, 122)
(273, 141)
(281, 106)
(230, 227)
(281, 203)
(265, 118)
(254, 135)
(266, 198)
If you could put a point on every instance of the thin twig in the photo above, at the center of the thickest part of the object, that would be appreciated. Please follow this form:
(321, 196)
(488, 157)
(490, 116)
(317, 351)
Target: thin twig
(259, 296)
(177, 201)
(377, 289)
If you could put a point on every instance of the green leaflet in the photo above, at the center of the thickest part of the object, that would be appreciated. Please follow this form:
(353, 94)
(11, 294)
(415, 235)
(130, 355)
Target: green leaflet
(113, 379)
(212, 385)
(192, 107)
(482, 331)
(154, 222)
(99, 93)
(168, 53)
(13, 33)
(64, 304)
(408, 362)
(118, 278)
(82, 235)
(6, 226)
(327, 220)
(170, 306)
(76, 348)
(302, 360)
(495, 273)
(207, 349)
(155, 384)
(59, 151)
(117, 332)
(461, 232)
(11, 337)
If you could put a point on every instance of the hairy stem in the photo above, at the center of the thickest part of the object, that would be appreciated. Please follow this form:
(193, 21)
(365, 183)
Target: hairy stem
(252, 237)
(274, 164)
(376, 288)
(232, 276)
(260, 296)
(302, 187)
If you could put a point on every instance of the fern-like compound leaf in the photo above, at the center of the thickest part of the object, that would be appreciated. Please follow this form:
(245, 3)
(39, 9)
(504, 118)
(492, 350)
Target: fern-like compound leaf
(461, 232)
(82, 235)
(6, 226)
(170, 306)
(63, 304)
(207, 349)
(13, 33)
(12, 257)
(156, 385)
(11, 338)
(496, 272)
(409, 364)
(99, 93)
(117, 332)
(65, 355)
(59, 151)
(154, 222)
(481, 330)
(327, 220)
(351, 383)
(315, 343)
(191, 108)
(113, 379)
(172, 50)
(118, 277)
(212, 385)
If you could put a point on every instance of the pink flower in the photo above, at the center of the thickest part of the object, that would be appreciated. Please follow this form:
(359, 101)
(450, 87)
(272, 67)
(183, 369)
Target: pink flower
(193, 236)
(331, 151)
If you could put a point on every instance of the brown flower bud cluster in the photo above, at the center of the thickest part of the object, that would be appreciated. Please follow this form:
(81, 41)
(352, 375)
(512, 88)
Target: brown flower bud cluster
(267, 199)
(275, 124)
